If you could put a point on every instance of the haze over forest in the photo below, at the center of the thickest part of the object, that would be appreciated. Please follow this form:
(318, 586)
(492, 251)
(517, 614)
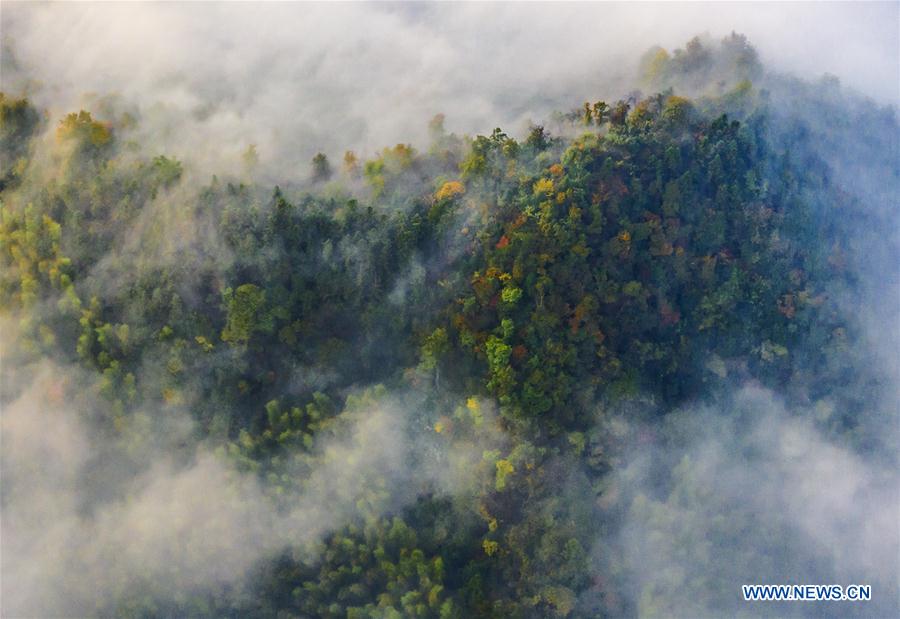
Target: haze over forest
(448, 310)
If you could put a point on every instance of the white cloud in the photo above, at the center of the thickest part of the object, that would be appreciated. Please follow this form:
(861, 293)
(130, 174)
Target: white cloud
(298, 78)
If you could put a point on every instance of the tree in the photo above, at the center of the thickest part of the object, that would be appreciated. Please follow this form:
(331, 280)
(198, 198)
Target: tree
(321, 169)
(250, 159)
(351, 164)
(600, 112)
(244, 309)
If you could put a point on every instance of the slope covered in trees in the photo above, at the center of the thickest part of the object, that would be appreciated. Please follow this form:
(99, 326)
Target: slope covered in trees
(498, 324)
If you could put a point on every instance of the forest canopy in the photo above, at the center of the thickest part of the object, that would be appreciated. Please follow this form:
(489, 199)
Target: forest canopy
(602, 368)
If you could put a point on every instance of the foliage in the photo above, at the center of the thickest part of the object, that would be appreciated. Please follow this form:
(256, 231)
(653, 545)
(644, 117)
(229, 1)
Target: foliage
(666, 250)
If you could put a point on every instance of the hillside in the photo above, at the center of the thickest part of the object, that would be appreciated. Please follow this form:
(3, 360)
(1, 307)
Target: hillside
(616, 366)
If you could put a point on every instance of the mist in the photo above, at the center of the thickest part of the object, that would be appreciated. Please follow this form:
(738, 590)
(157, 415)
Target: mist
(296, 79)
(93, 521)
(748, 492)
(609, 361)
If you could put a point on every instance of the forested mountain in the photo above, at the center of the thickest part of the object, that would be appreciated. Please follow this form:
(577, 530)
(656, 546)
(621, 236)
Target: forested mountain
(617, 366)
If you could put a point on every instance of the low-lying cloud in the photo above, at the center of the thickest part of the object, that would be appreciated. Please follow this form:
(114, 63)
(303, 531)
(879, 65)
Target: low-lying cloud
(748, 493)
(90, 518)
(295, 79)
